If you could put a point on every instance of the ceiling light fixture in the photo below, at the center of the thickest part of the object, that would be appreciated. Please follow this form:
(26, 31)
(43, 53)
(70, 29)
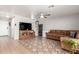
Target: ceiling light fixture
(7, 16)
(41, 16)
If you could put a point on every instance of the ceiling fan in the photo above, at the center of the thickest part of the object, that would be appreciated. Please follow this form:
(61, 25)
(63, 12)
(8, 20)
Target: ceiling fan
(46, 14)
(43, 15)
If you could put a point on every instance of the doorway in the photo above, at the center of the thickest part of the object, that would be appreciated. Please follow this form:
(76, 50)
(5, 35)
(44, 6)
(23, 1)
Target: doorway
(40, 30)
(4, 28)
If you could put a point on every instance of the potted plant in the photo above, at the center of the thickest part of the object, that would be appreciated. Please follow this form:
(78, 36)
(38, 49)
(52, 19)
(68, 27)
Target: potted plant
(73, 43)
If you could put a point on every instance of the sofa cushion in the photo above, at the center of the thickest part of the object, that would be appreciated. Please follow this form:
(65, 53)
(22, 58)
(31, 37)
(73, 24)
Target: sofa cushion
(77, 36)
(67, 33)
(57, 32)
(62, 33)
(52, 31)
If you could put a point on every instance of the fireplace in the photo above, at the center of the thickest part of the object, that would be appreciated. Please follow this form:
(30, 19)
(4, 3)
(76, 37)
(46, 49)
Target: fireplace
(25, 31)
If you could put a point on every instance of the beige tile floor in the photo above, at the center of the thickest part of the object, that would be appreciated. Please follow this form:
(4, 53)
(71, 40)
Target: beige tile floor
(37, 45)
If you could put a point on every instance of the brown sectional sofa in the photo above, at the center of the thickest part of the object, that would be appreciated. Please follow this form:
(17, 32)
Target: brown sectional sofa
(62, 35)
(56, 34)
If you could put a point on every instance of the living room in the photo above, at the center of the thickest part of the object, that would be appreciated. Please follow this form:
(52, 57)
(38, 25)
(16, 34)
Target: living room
(52, 32)
(47, 25)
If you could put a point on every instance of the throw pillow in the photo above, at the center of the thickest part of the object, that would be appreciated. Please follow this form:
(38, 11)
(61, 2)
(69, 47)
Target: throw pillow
(73, 34)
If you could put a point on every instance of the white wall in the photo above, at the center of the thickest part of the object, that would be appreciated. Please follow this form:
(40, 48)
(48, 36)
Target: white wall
(4, 28)
(63, 23)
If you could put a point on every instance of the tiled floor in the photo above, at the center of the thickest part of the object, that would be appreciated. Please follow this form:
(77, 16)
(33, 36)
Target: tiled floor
(37, 45)
(43, 45)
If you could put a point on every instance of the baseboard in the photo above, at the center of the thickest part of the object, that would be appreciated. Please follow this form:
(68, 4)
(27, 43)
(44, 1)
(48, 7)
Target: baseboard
(4, 36)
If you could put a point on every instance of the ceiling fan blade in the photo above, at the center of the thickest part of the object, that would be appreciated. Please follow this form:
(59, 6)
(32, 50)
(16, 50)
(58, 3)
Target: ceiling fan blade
(50, 6)
(45, 17)
(47, 14)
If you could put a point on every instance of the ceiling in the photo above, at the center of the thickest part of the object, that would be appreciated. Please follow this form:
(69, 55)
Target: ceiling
(34, 10)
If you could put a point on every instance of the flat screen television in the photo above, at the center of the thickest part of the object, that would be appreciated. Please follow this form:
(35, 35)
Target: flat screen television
(25, 26)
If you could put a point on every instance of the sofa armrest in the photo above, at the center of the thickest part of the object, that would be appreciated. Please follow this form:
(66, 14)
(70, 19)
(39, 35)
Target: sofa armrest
(63, 38)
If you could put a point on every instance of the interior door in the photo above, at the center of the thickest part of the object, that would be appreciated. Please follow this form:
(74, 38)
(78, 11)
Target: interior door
(4, 28)
(40, 31)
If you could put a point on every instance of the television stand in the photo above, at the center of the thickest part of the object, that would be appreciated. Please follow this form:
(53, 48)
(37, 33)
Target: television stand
(26, 34)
